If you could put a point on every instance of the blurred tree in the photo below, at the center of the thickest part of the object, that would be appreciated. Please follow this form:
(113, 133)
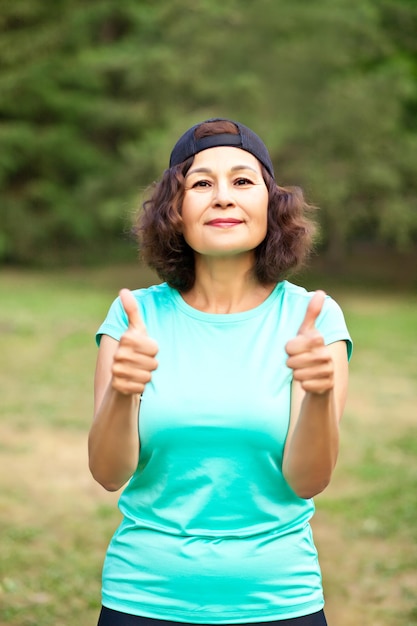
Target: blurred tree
(355, 145)
(92, 96)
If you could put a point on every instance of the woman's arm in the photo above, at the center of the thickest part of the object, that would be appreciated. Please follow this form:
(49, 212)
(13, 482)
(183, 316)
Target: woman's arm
(320, 376)
(122, 372)
(312, 442)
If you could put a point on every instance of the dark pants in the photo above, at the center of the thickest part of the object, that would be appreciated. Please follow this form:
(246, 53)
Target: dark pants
(108, 617)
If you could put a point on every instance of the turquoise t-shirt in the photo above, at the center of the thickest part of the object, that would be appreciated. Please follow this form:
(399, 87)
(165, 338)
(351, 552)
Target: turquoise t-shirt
(211, 531)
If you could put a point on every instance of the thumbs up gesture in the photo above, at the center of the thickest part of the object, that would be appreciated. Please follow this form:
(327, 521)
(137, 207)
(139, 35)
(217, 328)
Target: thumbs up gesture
(308, 357)
(134, 360)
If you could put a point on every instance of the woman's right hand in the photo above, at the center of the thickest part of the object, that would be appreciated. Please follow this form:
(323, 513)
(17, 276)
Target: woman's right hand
(134, 360)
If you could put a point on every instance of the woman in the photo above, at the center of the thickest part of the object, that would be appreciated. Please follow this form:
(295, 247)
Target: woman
(218, 395)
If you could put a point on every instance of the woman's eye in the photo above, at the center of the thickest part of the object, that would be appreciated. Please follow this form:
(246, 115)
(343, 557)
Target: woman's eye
(243, 181)
(201, 183)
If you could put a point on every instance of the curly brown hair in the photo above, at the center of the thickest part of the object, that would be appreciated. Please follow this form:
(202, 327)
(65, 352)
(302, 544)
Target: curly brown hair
(158, 227)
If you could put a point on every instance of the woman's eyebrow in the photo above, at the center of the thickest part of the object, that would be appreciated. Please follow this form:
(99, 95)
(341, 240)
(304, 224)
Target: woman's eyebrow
(207, 170)
(197, 170)
(244, 167)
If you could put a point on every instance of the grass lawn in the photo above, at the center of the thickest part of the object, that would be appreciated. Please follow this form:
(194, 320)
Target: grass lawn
(55, 522)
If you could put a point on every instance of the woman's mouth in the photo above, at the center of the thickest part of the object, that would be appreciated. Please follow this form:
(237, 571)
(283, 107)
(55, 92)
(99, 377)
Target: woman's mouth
(224, 222)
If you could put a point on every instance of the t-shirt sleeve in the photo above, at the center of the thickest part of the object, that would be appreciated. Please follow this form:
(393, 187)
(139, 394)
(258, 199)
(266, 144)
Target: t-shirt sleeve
(115, 323)
(331, 323)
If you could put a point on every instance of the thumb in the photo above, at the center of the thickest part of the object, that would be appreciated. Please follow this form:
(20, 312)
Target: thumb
(313, 311)
(132, 311)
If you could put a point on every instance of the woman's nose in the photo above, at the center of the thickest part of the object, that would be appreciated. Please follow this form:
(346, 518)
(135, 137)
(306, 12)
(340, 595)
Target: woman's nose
(223, 196)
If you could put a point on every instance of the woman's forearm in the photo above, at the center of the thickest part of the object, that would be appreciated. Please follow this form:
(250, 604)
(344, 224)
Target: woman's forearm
(312, 451)
(113, 443)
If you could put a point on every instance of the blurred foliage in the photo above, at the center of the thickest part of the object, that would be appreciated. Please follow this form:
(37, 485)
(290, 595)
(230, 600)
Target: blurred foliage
(93, 96)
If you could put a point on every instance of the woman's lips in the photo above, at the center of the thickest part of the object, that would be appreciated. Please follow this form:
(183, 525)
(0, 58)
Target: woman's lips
(225, 222)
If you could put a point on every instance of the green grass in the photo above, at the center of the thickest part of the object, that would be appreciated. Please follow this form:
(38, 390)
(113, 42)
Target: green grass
(372, 500)
(55, 522)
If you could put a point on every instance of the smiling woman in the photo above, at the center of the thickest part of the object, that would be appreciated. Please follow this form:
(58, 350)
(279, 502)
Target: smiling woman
(218, 396)
(159, 226)
(225, 205)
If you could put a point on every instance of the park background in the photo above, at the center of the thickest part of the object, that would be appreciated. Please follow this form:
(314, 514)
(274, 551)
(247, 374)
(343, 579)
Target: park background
(92, 97)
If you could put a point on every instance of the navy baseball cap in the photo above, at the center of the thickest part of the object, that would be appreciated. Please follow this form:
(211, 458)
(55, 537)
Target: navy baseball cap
(187, 145)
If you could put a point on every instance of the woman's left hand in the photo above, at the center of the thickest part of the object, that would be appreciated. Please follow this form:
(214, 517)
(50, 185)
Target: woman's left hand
(308, 357)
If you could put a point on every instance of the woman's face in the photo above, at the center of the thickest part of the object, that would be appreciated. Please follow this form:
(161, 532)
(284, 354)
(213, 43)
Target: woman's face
(225, 206)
